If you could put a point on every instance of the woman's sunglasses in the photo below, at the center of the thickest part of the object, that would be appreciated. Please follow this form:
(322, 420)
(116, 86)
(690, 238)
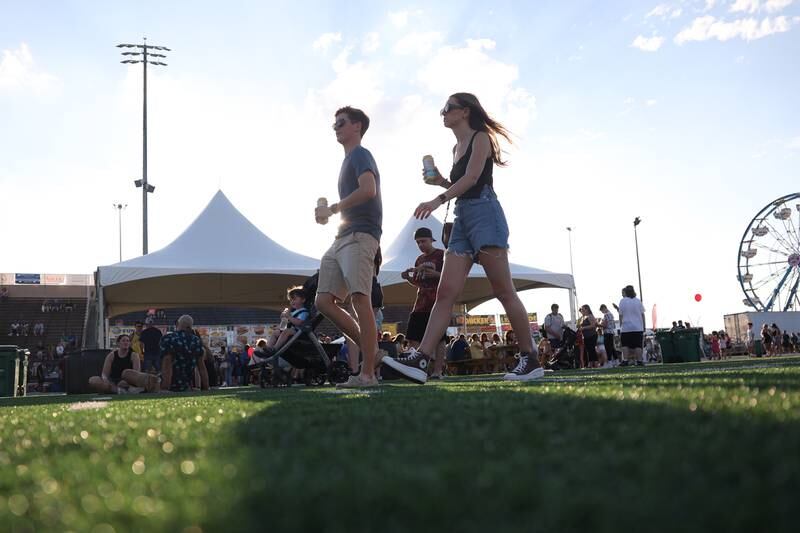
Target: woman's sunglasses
(449, 107)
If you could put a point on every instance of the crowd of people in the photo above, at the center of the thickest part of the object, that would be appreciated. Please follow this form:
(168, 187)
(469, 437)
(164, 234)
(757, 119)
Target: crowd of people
(22, 328)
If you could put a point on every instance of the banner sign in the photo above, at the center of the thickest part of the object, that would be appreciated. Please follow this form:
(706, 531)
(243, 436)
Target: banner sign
(532, 317)
(27, 279)
(480, 320)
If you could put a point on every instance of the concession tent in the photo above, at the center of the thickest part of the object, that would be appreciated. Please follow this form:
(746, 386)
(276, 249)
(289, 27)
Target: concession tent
(220, 260)
(403, 251)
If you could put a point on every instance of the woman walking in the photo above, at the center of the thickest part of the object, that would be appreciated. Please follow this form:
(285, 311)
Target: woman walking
(479, 235)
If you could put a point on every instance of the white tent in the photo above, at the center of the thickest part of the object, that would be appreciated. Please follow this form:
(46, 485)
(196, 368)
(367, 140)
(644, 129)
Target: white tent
(403, 251)
(221, 259)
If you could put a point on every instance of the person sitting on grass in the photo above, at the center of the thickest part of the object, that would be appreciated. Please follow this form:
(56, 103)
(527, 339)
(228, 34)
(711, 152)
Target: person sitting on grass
(122, 373)
(181, 351)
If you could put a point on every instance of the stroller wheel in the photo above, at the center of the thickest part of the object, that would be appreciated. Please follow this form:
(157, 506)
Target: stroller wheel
(314, 378)
(338, 372)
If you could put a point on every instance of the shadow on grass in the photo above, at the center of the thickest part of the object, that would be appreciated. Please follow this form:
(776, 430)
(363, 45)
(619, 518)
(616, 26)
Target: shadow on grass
(500, 459)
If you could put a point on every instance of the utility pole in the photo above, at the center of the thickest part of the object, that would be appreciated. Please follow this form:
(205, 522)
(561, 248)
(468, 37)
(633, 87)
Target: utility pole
(143, 56)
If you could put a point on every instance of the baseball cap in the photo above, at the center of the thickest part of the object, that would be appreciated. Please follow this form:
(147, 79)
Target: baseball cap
(423, 233)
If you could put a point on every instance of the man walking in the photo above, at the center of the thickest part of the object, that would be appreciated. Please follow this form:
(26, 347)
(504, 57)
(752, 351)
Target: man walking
(424, 275)
(347, 267)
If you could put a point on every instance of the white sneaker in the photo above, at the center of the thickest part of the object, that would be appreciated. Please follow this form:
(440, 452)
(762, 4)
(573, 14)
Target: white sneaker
(135, 390)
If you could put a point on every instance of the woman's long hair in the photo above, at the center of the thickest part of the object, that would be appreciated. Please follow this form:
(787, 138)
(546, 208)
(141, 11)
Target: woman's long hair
(479, 120)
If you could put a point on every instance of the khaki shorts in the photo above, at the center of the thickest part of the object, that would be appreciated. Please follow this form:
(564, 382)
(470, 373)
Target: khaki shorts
(348, 266)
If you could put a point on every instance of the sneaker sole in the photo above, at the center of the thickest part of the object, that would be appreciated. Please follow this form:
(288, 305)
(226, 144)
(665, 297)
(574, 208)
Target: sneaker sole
(530, 376)
(416, 375)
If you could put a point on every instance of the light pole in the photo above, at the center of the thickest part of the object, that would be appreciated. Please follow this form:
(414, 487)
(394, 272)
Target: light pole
(636, 222)
(573, 294)
(143, 56)
(119, 208)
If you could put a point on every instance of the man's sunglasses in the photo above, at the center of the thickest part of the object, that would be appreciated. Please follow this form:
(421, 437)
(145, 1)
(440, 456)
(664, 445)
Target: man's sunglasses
(339, 123)
(449, 107)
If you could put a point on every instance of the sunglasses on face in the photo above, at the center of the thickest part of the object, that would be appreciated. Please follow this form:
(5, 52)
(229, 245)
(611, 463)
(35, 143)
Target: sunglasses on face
(339, 123)
(449, 107)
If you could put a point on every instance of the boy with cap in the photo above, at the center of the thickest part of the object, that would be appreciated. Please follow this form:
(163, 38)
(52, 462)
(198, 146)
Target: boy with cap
(424, 275)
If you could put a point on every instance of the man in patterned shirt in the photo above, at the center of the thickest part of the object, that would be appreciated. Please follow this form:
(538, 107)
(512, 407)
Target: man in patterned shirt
(181, 351)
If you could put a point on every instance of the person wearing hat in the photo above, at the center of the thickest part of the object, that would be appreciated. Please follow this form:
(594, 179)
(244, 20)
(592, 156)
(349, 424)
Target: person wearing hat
(424, 275)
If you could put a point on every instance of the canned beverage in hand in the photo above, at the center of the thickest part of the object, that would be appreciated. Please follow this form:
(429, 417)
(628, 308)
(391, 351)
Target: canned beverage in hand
(429, 169)
(322, 202)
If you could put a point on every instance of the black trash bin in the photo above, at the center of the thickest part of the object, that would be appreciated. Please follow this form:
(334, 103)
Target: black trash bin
(79, 367)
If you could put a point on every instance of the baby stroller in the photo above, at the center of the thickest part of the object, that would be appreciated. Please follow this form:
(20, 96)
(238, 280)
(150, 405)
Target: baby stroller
(304, 351)
(566, 356)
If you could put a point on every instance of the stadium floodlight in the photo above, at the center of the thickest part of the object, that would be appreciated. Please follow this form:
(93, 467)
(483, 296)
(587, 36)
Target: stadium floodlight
(142, 55)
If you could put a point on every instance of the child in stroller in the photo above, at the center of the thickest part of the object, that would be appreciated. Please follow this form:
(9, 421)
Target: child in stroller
(299, 346)
(565, 357)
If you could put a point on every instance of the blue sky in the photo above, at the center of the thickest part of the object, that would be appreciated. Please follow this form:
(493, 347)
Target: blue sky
(684, 113)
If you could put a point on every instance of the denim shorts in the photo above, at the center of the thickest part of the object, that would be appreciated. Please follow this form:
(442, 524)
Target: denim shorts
(479, 223)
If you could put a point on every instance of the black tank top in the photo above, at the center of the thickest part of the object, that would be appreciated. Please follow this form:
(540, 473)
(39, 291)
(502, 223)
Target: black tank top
(460, 168)
(118, 365)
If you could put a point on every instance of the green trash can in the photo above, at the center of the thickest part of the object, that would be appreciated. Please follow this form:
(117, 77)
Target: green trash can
(666, 340)
(758, 346)
(13, 371)
(687, 345)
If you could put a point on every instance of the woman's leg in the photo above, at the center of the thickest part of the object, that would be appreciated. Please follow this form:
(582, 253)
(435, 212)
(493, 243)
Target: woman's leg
(451, 283)
(148, 382)
(98, 384)
(495, 263)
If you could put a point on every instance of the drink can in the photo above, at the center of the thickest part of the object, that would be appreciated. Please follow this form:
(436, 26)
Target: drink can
(429, 168)
(322, 202)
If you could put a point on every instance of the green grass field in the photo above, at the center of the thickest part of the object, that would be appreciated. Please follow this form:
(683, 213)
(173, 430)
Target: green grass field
(694, 447)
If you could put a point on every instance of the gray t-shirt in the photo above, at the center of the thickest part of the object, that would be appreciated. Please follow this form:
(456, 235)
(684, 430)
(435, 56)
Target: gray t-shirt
(556, 323)
(366, 217)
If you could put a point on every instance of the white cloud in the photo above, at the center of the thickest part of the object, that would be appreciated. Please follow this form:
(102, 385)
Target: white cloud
(745, 6)
(749, 29)
(651, 102)
(664, 11)
(629, 101)
(756, 6)
(647, 44)
(19, 71)
(400, 18)
(372, 41)
(773, 6)
(469, 68)
(326, 40)
(794, 143)
(709, 5)
(420, 44)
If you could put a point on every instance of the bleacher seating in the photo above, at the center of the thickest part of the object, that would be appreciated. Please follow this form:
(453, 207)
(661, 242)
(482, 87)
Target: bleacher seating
(57, 324)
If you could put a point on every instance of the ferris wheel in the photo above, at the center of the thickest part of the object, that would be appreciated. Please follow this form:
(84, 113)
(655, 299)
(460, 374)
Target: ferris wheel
(769, 257)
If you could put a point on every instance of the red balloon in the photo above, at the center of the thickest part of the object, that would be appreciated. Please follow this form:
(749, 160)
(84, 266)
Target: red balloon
(698, 297)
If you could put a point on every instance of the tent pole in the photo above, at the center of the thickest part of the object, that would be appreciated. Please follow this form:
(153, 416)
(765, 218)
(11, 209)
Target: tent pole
(101, 315)
(572, 311)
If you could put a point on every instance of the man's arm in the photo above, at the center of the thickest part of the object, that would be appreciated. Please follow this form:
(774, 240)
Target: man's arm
(367, 190)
